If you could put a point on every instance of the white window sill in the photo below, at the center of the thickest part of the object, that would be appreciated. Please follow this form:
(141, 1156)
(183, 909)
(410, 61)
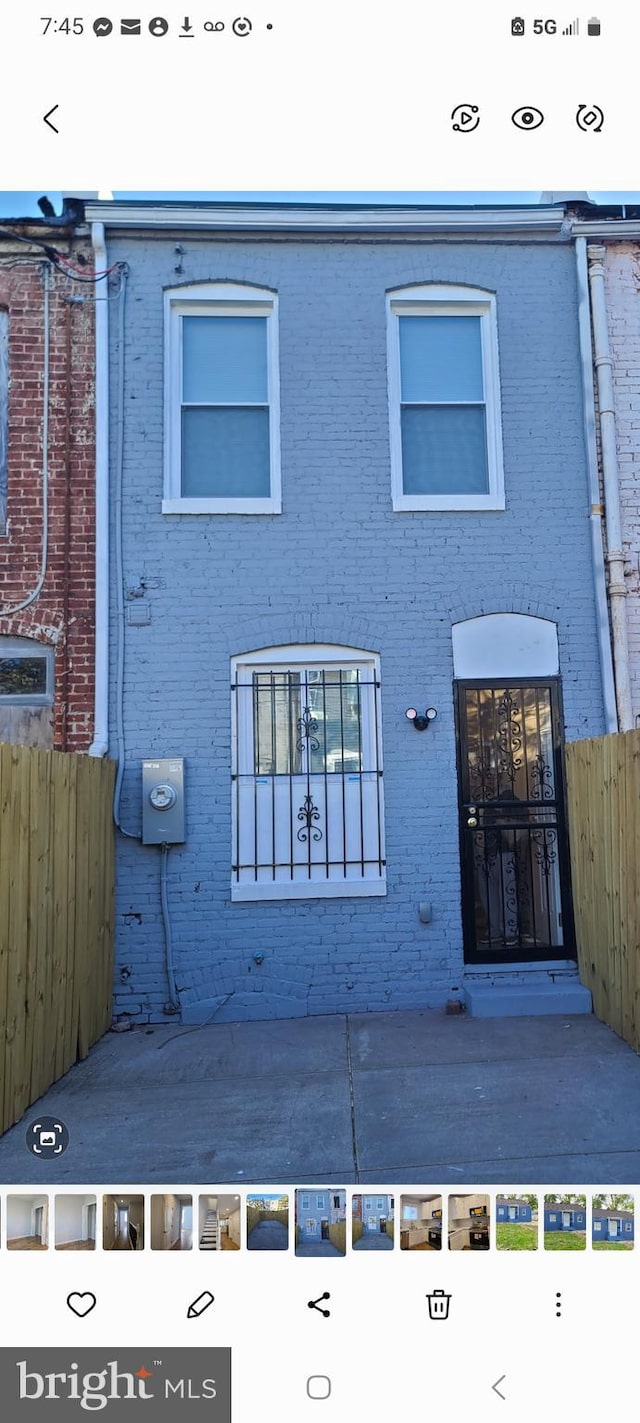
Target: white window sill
(221, 506)
(305, 889)
(471, 503)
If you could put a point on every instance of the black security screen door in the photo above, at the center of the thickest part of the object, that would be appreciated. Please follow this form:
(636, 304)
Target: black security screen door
(516, 901)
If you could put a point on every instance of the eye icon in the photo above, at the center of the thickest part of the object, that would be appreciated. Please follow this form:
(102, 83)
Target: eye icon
(527, 118)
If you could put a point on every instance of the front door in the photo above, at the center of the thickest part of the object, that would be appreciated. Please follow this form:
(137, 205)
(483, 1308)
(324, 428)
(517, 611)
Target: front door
(613, 1229)
(516, 903)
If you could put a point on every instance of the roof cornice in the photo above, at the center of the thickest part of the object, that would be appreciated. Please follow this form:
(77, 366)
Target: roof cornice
(620, 229)
(288, 218)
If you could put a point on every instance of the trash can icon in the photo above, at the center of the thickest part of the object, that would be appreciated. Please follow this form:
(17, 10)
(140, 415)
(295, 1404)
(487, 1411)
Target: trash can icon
(438, 1304)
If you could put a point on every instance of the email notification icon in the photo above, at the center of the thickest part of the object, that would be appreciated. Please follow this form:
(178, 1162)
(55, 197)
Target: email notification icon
(129, 27)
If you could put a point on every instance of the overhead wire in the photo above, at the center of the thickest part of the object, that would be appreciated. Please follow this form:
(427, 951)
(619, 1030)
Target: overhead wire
(58, 258)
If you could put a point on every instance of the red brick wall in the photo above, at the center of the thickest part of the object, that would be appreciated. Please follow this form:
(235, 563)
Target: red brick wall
(63, 615)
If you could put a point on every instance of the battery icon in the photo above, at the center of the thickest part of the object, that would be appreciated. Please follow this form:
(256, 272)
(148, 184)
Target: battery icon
(593, 27)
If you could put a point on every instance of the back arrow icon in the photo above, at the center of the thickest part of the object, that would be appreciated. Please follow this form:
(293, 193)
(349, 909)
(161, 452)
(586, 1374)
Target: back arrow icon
(46, 118)
(497, 1390)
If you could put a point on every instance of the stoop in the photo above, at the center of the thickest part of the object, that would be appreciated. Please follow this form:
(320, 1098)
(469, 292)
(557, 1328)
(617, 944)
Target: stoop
(494, 998)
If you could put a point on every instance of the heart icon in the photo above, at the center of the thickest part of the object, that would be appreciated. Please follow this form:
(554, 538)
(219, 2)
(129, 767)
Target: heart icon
(81, 1304)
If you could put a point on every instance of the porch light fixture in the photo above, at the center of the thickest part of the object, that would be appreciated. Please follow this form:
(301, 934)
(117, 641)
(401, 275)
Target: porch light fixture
(421, 722)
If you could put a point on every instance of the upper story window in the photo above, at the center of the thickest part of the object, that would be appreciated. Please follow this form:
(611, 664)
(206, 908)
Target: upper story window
(4, 412)
(444, 399)
(222, 451)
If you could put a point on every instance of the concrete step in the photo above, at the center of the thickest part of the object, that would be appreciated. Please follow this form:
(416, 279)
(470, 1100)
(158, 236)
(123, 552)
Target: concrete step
(562, 995)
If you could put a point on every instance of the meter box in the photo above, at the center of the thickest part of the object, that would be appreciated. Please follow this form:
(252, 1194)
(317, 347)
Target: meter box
(163, 801)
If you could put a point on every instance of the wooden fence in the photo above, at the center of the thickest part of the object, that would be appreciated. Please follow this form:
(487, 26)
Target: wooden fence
(603, 779)
(56, 917)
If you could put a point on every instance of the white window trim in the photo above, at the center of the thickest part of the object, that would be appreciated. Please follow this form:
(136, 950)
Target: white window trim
(277, 659)
(203, 299)
(438, 300)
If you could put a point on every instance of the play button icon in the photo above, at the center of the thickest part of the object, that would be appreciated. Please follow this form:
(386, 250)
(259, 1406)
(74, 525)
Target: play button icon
(465, 118)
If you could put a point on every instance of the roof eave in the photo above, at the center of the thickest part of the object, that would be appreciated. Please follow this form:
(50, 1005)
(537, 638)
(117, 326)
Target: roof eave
(292, 219)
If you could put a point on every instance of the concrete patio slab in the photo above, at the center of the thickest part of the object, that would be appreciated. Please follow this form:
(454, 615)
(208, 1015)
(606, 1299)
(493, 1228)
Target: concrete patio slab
(407, 1097)
(614, 1169)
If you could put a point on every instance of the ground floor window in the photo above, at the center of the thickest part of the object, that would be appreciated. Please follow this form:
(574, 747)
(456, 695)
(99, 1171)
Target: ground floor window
(26, 692)
(307, 774)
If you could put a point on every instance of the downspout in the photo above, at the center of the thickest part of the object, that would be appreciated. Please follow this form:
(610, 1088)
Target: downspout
(100, 743)
(608, 442)
(595, 507)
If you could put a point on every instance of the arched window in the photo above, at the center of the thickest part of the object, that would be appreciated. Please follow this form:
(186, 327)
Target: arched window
(307, 773)
(444, 399)
(222, 425)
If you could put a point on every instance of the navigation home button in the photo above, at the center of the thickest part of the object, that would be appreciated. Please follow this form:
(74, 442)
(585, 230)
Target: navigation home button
(465, 118)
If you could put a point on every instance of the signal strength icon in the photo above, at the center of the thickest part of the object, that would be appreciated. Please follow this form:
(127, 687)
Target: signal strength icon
(573, 28)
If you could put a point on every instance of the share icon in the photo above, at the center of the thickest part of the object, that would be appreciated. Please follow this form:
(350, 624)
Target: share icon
(315, 1304)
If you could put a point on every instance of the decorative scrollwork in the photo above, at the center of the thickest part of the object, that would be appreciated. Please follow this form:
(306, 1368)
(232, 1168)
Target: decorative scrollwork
(509, 736)
(485, 850)
(541, 777)
(310, 813)
(545, 855)
(307, 726)
(482, 778)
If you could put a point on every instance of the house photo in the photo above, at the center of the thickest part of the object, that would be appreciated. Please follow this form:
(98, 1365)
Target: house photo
(123, 1223)
(27, 1222)
(338, 591)
(171, 1222)
(469, 1222)
(612, 1223)
(421, 1223)
(565, 1223)
(75, 1222)
(372, 1222)
(267, 1222)
(516, 1222)
(219, 1223)
(321, 1222)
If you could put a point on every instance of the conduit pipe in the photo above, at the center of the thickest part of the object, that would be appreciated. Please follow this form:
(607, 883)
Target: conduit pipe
(595, 506)
(100, 743)
(608, 442)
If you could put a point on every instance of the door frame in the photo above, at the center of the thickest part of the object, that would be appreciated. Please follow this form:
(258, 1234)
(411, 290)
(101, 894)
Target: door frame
(497, 957)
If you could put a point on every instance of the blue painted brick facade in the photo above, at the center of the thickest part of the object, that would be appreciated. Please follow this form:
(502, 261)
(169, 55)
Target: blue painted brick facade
(338, 565)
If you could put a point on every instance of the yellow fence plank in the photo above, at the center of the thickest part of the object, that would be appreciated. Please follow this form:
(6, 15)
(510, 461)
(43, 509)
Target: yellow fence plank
(603, 784)
(56, 917)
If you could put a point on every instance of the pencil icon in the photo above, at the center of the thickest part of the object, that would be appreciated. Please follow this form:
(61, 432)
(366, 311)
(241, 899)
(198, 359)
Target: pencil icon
(200, 1304)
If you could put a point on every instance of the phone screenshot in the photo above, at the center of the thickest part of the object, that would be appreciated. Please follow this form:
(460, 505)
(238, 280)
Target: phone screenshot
(319, 713)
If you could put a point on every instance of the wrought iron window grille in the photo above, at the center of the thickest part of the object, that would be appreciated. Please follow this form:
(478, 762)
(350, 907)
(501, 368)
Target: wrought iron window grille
(307, 783)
